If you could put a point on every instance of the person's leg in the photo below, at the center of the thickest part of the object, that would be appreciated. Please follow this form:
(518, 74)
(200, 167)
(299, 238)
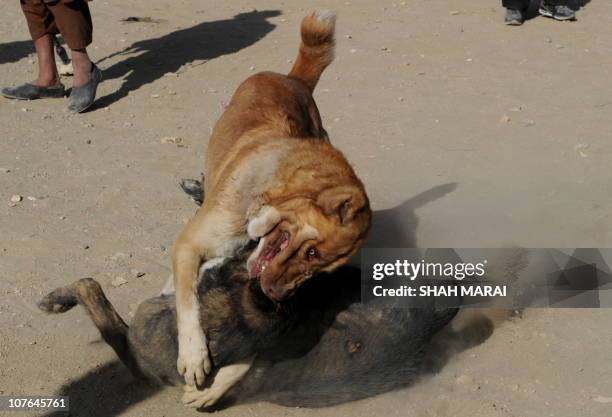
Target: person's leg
(82, 66)
(74, 23)
(47, 70)
(42, 29)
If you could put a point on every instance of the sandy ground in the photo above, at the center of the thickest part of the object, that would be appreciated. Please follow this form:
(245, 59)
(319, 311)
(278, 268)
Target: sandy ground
(474, 133)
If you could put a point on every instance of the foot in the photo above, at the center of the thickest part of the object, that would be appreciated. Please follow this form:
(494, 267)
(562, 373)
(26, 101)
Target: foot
(195, 398)
(193, 361)
(557, 12)
(31, 91)
(223, 381)
(82, 97)
(513, 17)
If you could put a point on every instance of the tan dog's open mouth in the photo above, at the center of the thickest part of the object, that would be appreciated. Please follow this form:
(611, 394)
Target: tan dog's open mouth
(269, 251)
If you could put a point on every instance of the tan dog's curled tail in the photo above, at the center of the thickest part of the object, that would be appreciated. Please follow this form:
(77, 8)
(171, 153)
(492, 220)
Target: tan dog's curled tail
(317, 47)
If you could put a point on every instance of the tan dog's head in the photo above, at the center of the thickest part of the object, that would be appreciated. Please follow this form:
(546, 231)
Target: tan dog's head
(301, 237)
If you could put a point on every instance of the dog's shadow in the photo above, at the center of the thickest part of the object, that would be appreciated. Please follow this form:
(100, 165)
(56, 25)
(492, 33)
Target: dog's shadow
(105, 391)
(396, 227)
(148, 60)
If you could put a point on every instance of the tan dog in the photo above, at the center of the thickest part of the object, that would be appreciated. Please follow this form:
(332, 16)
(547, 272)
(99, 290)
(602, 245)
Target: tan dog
(271, 176)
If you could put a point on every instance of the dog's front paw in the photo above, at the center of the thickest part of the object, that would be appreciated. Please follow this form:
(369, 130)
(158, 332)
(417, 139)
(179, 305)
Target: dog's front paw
(263, 222)
(207, 397)
(193, 360)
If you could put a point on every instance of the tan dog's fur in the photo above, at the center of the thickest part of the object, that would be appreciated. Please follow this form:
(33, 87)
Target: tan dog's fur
(271, 175)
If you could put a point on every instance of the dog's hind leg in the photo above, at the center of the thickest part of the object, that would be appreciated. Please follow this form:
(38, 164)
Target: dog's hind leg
(88, 293)
(225, 378)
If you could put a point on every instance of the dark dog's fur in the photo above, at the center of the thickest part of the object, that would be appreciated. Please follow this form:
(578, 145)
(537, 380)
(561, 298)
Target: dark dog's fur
(321, 347)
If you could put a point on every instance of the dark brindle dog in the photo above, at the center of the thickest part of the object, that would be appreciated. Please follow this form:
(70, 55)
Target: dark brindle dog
(322, 347)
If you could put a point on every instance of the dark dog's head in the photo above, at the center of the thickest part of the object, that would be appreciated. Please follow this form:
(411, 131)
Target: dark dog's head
(301, 237)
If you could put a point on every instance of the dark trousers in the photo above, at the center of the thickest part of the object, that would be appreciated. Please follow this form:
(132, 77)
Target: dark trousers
(523, 4)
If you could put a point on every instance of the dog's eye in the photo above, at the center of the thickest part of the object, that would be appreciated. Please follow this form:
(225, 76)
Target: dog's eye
(311, 253)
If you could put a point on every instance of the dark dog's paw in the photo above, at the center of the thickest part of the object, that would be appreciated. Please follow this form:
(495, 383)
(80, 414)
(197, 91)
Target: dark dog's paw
(193, 188)
(58, 301)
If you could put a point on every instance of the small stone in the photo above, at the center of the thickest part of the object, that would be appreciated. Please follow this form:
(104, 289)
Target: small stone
(118, 281)
(137, 274)
(352, 50)
(154, 95)
(454, 13)
(252, 68)
(505, 119)
(548, 40)
(127, 124)
(25, 109)
(32, 198)
(86, 247)
(174, 140)
(171, 93)
(530, 123)
(385, 49)
(88, 141)
(5, 170)
(348, 36)
(16, 198)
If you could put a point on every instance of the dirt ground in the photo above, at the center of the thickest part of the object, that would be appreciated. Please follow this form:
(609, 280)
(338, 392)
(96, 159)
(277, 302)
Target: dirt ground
(474, 134)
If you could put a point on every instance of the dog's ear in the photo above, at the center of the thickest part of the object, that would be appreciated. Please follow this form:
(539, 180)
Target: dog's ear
(344, 201)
